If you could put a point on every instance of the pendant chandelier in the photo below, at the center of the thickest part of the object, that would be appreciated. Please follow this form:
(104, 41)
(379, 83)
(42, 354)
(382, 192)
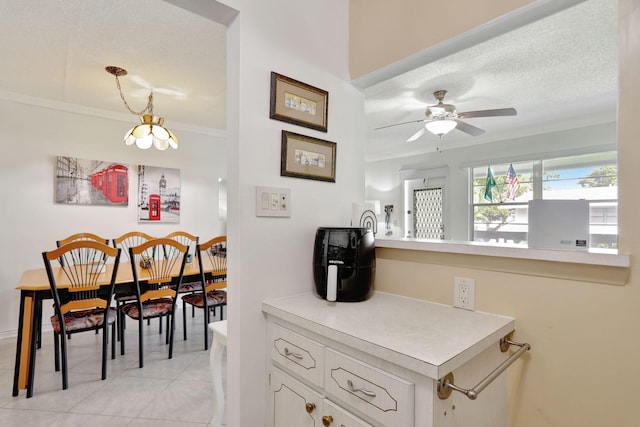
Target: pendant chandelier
(150, 131)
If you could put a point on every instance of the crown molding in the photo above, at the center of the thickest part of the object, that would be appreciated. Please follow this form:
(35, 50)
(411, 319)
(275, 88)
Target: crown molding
(50, 104)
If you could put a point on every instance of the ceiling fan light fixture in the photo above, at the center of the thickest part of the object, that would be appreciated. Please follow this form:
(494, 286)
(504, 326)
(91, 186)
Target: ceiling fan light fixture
(150, 132)
(440, 127)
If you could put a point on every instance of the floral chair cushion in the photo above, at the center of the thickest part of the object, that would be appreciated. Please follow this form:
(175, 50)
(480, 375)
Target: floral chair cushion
(124, 297)
(197, 285)
(190, 287)
(214, 297)
(150, 308)
(83, 319)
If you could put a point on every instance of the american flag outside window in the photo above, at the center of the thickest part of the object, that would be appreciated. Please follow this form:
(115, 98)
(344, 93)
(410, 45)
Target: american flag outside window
(514, 184)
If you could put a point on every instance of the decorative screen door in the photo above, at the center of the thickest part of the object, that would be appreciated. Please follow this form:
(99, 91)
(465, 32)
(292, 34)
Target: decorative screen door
(427, 213)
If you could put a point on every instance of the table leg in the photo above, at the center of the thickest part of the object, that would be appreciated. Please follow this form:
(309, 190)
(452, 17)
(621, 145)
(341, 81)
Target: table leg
(23, 373)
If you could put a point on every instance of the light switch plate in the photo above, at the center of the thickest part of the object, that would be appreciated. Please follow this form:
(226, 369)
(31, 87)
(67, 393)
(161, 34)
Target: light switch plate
(273, 202)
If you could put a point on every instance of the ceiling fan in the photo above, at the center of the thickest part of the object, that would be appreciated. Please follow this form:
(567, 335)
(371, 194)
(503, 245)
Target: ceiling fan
(443, 118)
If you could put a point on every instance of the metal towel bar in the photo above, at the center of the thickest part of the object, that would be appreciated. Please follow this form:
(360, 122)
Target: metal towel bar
(446, 385)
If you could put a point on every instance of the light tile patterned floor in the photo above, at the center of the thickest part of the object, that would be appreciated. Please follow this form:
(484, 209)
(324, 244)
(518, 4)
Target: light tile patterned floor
(165, 393)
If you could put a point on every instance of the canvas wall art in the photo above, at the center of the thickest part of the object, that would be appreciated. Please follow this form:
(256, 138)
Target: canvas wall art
(158, 194)
(91, 182)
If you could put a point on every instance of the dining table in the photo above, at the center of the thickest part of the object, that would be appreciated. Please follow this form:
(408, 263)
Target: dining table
(34, 288)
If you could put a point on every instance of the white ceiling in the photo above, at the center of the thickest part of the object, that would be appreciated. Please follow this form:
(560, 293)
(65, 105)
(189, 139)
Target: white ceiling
(559, 73)
(55, 51)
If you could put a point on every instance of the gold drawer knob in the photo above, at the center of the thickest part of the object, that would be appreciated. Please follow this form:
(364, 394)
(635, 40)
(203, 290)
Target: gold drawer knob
(310, 407)
(327, 420)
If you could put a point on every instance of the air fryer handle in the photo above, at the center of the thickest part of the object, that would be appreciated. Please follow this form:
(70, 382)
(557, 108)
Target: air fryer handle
(332, 282)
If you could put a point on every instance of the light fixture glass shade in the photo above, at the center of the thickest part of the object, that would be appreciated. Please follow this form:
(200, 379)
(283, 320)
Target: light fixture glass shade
(440, 127)
(151, 133)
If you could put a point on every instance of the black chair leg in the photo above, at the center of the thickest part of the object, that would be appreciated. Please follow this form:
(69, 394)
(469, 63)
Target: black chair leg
(169, 326)
(38, 313)
(56, 350)
(184, 320)
(170, 330)
(63, 346)
(113, 340)
(105, 343)
(121, 329)
(205, 314)
(140, 343)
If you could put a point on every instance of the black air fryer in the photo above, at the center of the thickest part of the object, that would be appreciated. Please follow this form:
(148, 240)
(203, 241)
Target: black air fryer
(344, 262)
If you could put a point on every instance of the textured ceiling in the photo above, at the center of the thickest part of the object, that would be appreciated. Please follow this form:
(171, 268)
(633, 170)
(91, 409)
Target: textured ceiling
(57, 50)
(559, 73)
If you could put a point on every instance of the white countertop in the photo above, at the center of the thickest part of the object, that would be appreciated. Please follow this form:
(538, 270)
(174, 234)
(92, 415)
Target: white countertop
(429, 338)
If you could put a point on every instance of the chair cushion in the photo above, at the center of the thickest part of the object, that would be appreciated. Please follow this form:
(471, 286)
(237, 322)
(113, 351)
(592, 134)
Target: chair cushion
(214, 297)
(150, 308)
(83, 319)
(190, 287)
(123, 297)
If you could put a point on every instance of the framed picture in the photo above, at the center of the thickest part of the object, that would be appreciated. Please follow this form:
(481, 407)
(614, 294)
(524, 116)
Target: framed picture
(307, 157)
(91, 182)
(298, 103)
(158, 195)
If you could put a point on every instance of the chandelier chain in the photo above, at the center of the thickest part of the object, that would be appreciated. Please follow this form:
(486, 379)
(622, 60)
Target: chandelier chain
(147, 109)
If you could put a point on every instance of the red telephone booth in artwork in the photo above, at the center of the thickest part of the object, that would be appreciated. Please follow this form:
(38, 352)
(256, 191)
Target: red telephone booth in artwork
(116, 183)
(98, 182)
(154, 207)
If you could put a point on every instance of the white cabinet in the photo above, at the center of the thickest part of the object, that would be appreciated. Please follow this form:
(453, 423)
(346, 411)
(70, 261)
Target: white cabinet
(293, 404)
(376, 363)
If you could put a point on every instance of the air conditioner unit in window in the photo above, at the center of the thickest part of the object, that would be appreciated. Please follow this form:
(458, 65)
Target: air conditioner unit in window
(558, 224)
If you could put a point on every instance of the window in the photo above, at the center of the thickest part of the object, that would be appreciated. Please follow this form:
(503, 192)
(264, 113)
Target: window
(502, 217)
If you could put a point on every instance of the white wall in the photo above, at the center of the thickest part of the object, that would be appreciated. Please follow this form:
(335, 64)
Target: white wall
(383, 182)
(271, 257)
(33, 136)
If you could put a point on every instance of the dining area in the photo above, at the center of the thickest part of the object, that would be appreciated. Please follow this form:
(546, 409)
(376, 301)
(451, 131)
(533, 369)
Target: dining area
(145, 305)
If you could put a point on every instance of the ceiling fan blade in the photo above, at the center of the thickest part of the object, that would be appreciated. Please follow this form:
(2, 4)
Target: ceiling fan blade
(470, 129)
(403, 123)
(417, 135)
(489, 113)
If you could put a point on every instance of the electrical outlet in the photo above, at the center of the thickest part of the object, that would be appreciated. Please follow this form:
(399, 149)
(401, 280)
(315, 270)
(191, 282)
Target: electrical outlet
(464, 293)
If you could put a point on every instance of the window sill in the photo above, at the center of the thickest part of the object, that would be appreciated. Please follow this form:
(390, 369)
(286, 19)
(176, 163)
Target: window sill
(601, 266)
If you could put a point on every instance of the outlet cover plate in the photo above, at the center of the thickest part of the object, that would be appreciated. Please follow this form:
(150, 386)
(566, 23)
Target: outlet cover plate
(273, 202)
(464, 293)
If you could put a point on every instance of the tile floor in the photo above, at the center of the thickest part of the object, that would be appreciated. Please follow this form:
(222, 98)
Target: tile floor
(165, 393)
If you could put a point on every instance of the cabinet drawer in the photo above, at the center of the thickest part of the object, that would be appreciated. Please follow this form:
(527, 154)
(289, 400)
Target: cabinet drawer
(379, 395)
(298, 354)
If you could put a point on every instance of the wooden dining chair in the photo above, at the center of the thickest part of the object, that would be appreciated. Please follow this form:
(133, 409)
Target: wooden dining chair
(212, 261)
(80, 236)
(191, 241)
(82, 290)
(68, 239)
(124, 242)
(157, 274)
(186, 239)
